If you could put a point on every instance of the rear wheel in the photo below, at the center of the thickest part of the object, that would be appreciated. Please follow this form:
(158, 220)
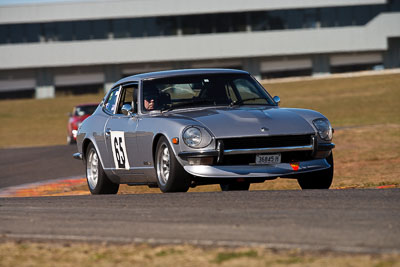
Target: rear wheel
(235, 186)
(318, 180)
(97, 180)
(171, 177)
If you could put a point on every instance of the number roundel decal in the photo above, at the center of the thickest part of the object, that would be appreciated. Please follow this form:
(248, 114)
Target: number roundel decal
(119, 150)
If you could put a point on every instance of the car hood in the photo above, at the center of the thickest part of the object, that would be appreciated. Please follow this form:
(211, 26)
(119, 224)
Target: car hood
(244, 121)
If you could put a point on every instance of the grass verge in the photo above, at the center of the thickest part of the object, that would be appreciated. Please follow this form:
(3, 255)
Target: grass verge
(79, 254)
(31, 122)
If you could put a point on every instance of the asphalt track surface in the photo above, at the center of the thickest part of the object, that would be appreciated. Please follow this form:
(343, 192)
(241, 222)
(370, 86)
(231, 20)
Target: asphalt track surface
(28, 165)
(361, 221)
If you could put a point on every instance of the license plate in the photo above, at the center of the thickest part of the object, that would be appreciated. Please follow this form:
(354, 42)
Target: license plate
(268, 159)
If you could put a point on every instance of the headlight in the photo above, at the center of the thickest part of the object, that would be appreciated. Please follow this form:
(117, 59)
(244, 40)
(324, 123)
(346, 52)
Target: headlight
(324, 128)
(196, 137)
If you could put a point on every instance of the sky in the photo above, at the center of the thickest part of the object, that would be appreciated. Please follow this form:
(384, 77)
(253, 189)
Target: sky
(15, 2)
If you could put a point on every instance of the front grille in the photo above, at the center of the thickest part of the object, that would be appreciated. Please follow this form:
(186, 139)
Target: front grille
(286, 157)
(266, 142)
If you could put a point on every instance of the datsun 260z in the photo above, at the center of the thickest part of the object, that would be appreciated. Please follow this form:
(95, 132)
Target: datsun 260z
(180, 129)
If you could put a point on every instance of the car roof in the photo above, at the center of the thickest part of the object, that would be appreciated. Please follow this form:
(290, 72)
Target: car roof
(175, 73)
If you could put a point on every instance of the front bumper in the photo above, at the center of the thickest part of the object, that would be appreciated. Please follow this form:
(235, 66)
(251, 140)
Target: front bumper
(315, 161)
(257, 171)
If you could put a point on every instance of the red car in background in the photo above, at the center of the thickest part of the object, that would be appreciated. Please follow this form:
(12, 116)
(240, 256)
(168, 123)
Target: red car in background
(78, 115)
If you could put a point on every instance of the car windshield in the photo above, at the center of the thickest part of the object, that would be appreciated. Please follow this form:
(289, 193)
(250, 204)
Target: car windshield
(203, 90)
(84, 110)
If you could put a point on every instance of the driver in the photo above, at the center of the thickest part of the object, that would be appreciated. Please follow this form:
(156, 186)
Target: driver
(149, 103)
(150, 97)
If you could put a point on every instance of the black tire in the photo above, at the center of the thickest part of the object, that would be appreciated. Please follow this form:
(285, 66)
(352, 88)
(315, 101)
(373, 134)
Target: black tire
(318, 180)
(235, 186)
(171, 177)
(96, 178)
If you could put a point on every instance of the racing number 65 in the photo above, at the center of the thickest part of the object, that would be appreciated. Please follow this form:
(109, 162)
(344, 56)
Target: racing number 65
(119, 150)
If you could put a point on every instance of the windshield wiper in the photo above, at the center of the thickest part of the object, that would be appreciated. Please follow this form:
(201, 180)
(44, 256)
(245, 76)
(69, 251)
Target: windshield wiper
(241, 101)
(187, 103)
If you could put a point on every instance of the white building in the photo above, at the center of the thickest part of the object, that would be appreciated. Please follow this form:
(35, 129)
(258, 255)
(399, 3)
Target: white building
(83, 46)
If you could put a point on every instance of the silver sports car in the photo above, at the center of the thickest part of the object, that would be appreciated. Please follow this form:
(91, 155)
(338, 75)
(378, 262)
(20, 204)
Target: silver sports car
(183, 128)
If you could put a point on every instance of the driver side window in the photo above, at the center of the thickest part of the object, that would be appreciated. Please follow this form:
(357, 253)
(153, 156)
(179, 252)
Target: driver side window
(129, 96)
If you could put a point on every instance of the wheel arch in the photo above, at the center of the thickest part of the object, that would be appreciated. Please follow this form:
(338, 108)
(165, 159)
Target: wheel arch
(154, 145)
(175, 149)
(85, 144)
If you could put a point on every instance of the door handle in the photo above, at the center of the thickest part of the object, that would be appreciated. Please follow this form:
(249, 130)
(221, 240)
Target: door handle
(108, 131)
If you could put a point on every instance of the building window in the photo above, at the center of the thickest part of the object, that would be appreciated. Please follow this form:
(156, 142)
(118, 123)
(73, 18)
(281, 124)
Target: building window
(311, 19)
(100, 29)
(223, 23)
(361, 15)
(120, 28)
(376, 10)
(83, 30)
(195, 24)
(3, 34)
(207, 23)
(16, 32)
(344, 16)
(65, 31)
(190, 24)
(49, 32)
(32, 33)
(151, 27)
(328, 17)
(394, 5)
(239, 22)
(259, 21)
(277, 20)
(295, 19)
(136, 28)
(167, 26)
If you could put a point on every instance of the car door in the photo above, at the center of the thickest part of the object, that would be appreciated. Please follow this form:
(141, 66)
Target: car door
(121, 137)
(102, 138)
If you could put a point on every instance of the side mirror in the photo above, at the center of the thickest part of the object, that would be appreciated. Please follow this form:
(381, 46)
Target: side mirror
(277, 100)
(126, 109)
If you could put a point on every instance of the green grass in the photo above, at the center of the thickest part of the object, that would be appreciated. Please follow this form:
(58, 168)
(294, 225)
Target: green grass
(31, 122)
(226, 256)
(80, 254)
(345, 101)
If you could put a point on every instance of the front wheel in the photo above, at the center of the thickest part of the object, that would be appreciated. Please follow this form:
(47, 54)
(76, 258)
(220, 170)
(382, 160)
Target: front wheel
(97, 180)
(171, 177)
(318, 180)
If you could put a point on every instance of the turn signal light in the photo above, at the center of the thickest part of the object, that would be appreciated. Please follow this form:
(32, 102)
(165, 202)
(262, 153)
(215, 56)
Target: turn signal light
(201, 161)
(295, 166)
(175, 140)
